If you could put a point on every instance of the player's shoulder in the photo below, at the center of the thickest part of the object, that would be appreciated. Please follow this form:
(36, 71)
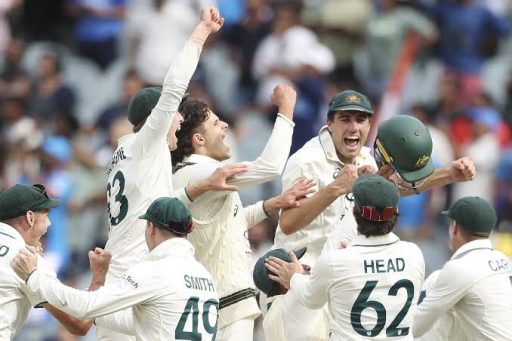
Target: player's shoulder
(311, 150)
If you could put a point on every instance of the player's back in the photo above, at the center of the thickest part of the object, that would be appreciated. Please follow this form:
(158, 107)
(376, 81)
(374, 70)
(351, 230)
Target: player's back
(375, 288)
(485, 306)
(185, 302)
(136, 177)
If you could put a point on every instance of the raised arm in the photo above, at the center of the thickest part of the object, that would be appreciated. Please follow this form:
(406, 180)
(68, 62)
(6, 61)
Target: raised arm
(176, 80)
(272, 160)
(99, 260)
(295, 218)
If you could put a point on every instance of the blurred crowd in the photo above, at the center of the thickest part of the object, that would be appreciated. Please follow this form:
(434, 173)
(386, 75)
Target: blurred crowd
(70, 67)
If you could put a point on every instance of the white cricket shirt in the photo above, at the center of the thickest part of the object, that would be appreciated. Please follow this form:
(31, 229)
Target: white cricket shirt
(372, 288)
(15, 300)
(141, 168)
(318, 160)
(167, 296)
(477, 283)
(221, 222)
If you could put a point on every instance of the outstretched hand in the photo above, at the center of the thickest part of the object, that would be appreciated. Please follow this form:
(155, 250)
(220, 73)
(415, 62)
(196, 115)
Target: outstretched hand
(283, 271)
(210, 16)
(218, 180)
(284, 96)
(292, 196)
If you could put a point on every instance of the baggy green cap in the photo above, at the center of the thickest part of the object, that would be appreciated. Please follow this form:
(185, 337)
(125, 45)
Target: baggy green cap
(350, 100)
(260, 273)
(170, 214)
(376, 197)
(474, 214)
(19, 199)
(407, 143)
(142, 103)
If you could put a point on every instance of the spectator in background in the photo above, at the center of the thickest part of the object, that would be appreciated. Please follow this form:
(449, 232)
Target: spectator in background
(465, 26)
(50, 93)
(13, 76)
(341, 26)
(97, 28)
(21, 136)
(484, 150)
(56, 154)
(386, 34)
(5, 32)
(131, 84)
(292, 54)
(46, 21)
(243, 38)
(156, 34)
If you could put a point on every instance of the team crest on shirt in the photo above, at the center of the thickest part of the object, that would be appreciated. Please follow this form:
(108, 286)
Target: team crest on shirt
(422, 161)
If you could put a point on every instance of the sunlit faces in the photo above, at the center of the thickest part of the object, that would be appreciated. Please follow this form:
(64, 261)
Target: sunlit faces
(349, 130)
(212, 133)
(172, 140)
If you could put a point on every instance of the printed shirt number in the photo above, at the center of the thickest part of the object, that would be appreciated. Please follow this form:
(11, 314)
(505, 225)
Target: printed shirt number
(192, 307)
(362, 302)
(4, 249)
(119, 198)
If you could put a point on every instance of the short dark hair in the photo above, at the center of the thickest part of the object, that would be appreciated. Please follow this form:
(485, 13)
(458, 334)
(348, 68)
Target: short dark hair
(373, 228)
(194, 113)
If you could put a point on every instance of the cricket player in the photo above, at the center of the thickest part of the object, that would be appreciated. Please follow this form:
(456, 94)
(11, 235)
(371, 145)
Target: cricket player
(287, 319)
(221, 221)
(141, 168)
(373, 285)
(336, 157)
(476, 283)
(167, 296)
(23, 221)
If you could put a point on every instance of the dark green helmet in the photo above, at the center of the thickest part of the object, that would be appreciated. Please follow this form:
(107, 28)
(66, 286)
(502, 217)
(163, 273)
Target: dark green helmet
(404, 142)
(350, 100)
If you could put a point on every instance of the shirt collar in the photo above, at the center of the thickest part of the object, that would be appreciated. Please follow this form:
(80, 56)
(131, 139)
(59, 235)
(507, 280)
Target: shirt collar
(328, 145)
(197, 158)
(9, 231)
(472, 245)
(329, 149)
(361, 240)
(174, 246)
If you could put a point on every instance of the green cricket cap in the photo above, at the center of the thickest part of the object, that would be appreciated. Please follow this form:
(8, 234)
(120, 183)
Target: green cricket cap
(350, 100)
(169, 214)
(474, 214)
(19, 199)
(376, 197)
(260, 273)
(405, 142)
(142, 103)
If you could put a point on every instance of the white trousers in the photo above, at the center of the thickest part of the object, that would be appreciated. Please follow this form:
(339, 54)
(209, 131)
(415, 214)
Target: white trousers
(241, 330)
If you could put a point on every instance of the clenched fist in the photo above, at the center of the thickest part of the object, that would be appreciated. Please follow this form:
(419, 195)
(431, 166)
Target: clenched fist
(284, 96)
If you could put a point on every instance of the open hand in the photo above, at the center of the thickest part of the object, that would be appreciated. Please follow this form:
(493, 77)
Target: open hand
(292, 196)
(283, 270)
(25, 262)
(218, 180)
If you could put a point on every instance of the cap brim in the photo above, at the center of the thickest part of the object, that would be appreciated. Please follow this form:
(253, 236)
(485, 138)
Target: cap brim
(419, 174)
(144, 216)
(352, 107)
(446, 213)
(51, 203)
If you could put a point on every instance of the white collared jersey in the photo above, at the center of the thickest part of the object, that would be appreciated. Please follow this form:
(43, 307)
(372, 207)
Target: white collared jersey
(372, 288)
(318, 160)
(476, 283)
(15, 299)
(141, 169)
(168, 296)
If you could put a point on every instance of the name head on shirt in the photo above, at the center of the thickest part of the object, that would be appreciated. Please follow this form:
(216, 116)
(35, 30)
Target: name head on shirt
(384, 265)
